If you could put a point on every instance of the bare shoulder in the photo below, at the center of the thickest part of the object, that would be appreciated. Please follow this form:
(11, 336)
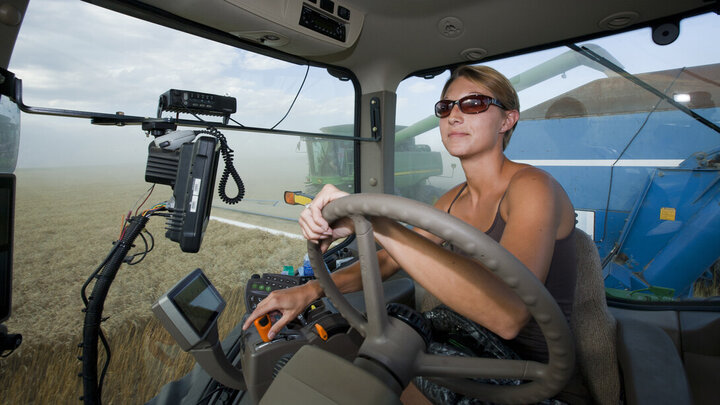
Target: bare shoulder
(533, 191)
(533, 180)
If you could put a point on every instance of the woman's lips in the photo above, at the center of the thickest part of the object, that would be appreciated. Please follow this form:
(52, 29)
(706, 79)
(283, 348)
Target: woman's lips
(457, 134)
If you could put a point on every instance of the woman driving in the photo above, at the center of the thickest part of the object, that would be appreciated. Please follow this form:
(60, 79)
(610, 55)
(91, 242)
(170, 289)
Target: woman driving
(520, 206)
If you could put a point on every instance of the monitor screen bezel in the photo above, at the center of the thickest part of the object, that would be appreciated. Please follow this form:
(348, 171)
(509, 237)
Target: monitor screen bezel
(172, 296)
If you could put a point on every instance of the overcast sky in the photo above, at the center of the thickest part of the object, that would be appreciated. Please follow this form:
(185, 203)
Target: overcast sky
(74, 55)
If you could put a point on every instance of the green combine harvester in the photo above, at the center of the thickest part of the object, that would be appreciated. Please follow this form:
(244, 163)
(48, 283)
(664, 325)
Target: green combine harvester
(333, 162)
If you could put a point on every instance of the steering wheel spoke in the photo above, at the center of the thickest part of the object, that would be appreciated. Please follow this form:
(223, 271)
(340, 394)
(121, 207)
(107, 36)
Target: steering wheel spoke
(371, 279)
(434, 365)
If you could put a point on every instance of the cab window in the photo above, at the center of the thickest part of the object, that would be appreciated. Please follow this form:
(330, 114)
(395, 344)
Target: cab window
(101, 61)
(76, 182)
(631, 132)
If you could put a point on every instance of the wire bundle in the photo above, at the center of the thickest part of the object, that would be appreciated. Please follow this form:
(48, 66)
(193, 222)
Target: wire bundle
(104, 274)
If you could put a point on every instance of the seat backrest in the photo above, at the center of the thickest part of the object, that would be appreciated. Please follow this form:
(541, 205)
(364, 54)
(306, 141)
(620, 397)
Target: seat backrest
(594, 326)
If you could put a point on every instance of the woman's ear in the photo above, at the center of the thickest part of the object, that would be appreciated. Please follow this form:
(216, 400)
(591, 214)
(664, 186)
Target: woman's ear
(511, 118)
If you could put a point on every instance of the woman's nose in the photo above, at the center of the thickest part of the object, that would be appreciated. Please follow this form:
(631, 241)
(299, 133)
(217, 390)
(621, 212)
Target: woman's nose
(455, 113)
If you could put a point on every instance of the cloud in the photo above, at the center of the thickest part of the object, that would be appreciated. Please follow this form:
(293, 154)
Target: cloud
(424, 86)
(253, 61)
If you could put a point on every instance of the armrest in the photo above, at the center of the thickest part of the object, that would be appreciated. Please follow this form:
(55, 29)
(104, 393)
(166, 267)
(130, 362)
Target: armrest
(652, 370)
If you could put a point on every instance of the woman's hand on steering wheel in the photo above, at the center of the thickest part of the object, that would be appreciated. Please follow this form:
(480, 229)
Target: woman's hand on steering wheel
(315, 228)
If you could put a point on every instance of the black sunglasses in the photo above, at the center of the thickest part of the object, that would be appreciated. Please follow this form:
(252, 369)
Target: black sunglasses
(472, 104)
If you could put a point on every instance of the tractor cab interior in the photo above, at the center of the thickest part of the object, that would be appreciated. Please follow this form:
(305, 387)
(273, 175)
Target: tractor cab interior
(618, 103)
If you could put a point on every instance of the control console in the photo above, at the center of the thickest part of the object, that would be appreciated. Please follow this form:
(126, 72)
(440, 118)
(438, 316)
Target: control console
(258, 287)
(319, 325)
(190, 310)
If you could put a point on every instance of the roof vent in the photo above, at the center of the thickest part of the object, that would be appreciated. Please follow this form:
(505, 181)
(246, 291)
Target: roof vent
(474, 53)
(619, 20)
(268, 38)
(450, 27)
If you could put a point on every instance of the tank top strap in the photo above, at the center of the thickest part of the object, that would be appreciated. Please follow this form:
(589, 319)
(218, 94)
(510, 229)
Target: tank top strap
(498, 225)
(457, 196)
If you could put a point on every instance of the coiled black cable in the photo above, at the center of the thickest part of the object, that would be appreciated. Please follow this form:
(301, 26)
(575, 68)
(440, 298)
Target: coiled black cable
(229, 170)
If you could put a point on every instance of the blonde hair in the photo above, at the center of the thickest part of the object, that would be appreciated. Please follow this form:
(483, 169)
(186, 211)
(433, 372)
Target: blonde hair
(498, 84)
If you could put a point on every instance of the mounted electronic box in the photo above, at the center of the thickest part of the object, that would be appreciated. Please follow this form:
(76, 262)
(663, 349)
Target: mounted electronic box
(194, 102)
(189, 168)
(189, 312)
(187, 161)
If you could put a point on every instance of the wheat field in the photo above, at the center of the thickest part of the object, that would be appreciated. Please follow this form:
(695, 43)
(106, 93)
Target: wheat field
(65, 223)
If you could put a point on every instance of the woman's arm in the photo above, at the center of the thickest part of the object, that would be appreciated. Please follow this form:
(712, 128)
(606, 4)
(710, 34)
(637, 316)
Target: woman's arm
(533, 210)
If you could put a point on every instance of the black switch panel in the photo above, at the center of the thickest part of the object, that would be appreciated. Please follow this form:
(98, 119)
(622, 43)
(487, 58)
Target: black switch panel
(328, 5)
(344, 13)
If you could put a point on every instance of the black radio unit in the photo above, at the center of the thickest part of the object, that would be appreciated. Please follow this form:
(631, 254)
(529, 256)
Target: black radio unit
(193, 102)
(323, 24)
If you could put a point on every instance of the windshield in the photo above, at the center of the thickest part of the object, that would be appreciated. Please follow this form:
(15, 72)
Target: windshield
(636, 163)
(100, 61)
(77, 182)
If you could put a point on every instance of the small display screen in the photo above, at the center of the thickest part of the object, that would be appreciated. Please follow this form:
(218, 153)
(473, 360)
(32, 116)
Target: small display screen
(198, 303)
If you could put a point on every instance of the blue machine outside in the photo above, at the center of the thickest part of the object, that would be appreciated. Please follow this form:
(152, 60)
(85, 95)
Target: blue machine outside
(598, 160)
(673, 233)
(641, 170)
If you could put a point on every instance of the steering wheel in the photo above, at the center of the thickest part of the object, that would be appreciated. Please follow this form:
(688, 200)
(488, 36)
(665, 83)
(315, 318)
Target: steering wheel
(542, 380)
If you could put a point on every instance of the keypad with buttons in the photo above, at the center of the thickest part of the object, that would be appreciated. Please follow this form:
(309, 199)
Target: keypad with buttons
(258, 287)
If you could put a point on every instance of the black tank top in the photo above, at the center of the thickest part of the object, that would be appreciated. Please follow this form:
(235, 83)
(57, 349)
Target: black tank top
(560, 282)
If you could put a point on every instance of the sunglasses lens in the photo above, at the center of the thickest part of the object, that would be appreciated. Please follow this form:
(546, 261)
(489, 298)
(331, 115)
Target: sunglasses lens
(474, 104)
(442, 108)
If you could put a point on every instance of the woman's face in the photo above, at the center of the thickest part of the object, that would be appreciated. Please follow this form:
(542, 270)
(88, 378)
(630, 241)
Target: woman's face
(465, 135)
